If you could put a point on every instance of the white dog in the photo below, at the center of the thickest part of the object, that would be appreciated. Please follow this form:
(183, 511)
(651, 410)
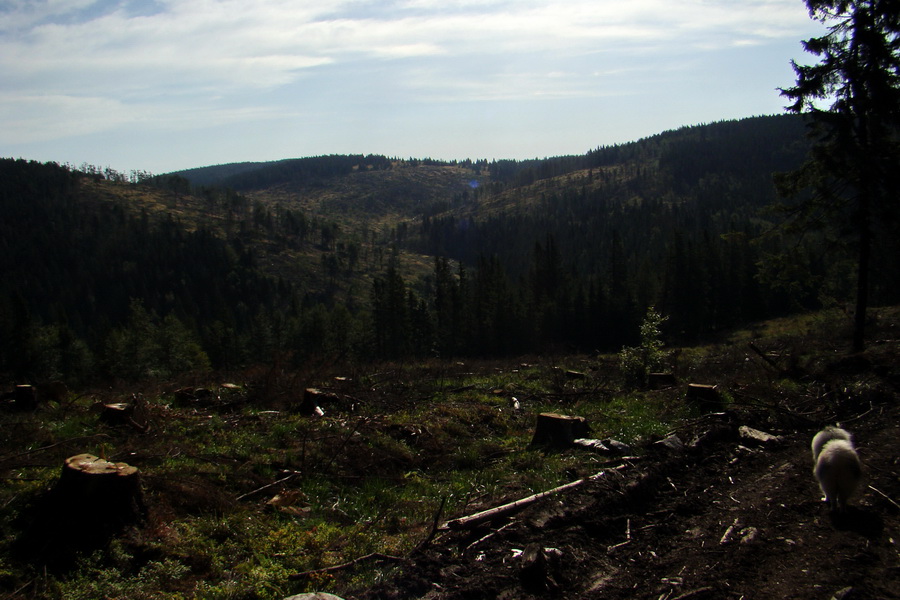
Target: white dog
(837, 465)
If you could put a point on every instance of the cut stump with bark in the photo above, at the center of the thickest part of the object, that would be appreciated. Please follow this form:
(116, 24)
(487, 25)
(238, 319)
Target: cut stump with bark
(133, 414)
(117, 413)
(704, 395)
(92, 500)
(313, 400)
(25, 397)
(558, 431)
(111, 491)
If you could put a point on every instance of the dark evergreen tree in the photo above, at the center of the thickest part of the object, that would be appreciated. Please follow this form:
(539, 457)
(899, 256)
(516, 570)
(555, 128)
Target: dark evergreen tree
(391, 314)
(852, 171)
(447, 309)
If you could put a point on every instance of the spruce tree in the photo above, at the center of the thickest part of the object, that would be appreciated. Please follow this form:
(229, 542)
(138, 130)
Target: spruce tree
(851, 173)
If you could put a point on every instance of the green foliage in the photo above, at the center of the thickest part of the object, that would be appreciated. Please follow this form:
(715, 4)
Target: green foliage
(154, 581)
(638, 362)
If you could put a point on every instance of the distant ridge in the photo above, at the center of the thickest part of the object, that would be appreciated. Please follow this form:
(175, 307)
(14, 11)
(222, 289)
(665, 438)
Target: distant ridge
(707, 140)
(213, 174)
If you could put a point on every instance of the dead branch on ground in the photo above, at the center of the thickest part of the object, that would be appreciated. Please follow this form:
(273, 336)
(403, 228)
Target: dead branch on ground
(347, 565)
(471, 521)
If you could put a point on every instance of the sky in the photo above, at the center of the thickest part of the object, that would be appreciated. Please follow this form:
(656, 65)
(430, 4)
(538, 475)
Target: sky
(163, 85)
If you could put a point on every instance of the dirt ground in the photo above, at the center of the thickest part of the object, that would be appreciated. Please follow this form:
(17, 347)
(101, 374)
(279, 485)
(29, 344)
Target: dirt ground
(722, 517)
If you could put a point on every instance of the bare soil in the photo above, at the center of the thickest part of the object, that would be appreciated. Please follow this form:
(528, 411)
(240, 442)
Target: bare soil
(724, 517)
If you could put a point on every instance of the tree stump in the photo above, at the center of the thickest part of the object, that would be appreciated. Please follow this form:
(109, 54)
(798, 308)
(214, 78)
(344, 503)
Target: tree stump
(133, 414)
(92, 500)
(96, 489)
(533, 571)
(25, 397)
(559, 431)
(312, 401)
(117, 413)
(704, 395)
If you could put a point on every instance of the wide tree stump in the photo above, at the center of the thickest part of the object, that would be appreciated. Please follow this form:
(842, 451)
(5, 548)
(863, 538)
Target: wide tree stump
(105, 491)
(133, 414)
(313, 400)
(91, 501)
(703, 394)
(117, 413)
(25, 397)
(559, 431)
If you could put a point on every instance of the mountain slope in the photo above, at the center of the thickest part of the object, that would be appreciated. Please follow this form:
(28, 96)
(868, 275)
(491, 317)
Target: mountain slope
(371, 256)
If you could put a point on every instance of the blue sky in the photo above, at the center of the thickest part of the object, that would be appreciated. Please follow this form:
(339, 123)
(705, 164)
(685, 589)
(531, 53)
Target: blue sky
(171, 84)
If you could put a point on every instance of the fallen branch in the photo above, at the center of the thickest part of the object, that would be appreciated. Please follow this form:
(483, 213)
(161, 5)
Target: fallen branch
(434, 526)
(754, 402)
(347, 565)
(627, 538)
(858, 417)
(16, 593)
(268, 485)
(727, 536)
(768, 360)
(614, 547)
(885, 496)
(471, 521)
(487, 537)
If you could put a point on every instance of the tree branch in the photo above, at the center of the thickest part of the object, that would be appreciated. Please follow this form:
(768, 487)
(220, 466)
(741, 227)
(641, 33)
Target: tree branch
(474, 520)
(347, 565)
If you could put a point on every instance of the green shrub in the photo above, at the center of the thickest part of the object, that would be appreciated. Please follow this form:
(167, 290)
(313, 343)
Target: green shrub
(638, 362)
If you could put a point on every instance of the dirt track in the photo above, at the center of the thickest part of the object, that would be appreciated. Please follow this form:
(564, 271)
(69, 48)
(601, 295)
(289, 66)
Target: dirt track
(655, 527)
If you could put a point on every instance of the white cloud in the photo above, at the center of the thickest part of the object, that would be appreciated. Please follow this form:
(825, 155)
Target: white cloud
(72, 67)
(205, 40)
(49, 117)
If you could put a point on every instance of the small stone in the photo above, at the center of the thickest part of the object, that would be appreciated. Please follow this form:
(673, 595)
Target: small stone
(592, 444)
(672, 443)
(760, 437)
(617, 446)
(749, 535)
(843, 594)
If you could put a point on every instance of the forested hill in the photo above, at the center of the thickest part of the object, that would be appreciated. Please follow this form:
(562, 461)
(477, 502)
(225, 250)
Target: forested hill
(711, 178)
(371, 257)
(759, 144)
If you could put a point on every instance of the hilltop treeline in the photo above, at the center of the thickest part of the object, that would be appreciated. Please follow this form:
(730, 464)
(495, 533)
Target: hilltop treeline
(557, 254)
